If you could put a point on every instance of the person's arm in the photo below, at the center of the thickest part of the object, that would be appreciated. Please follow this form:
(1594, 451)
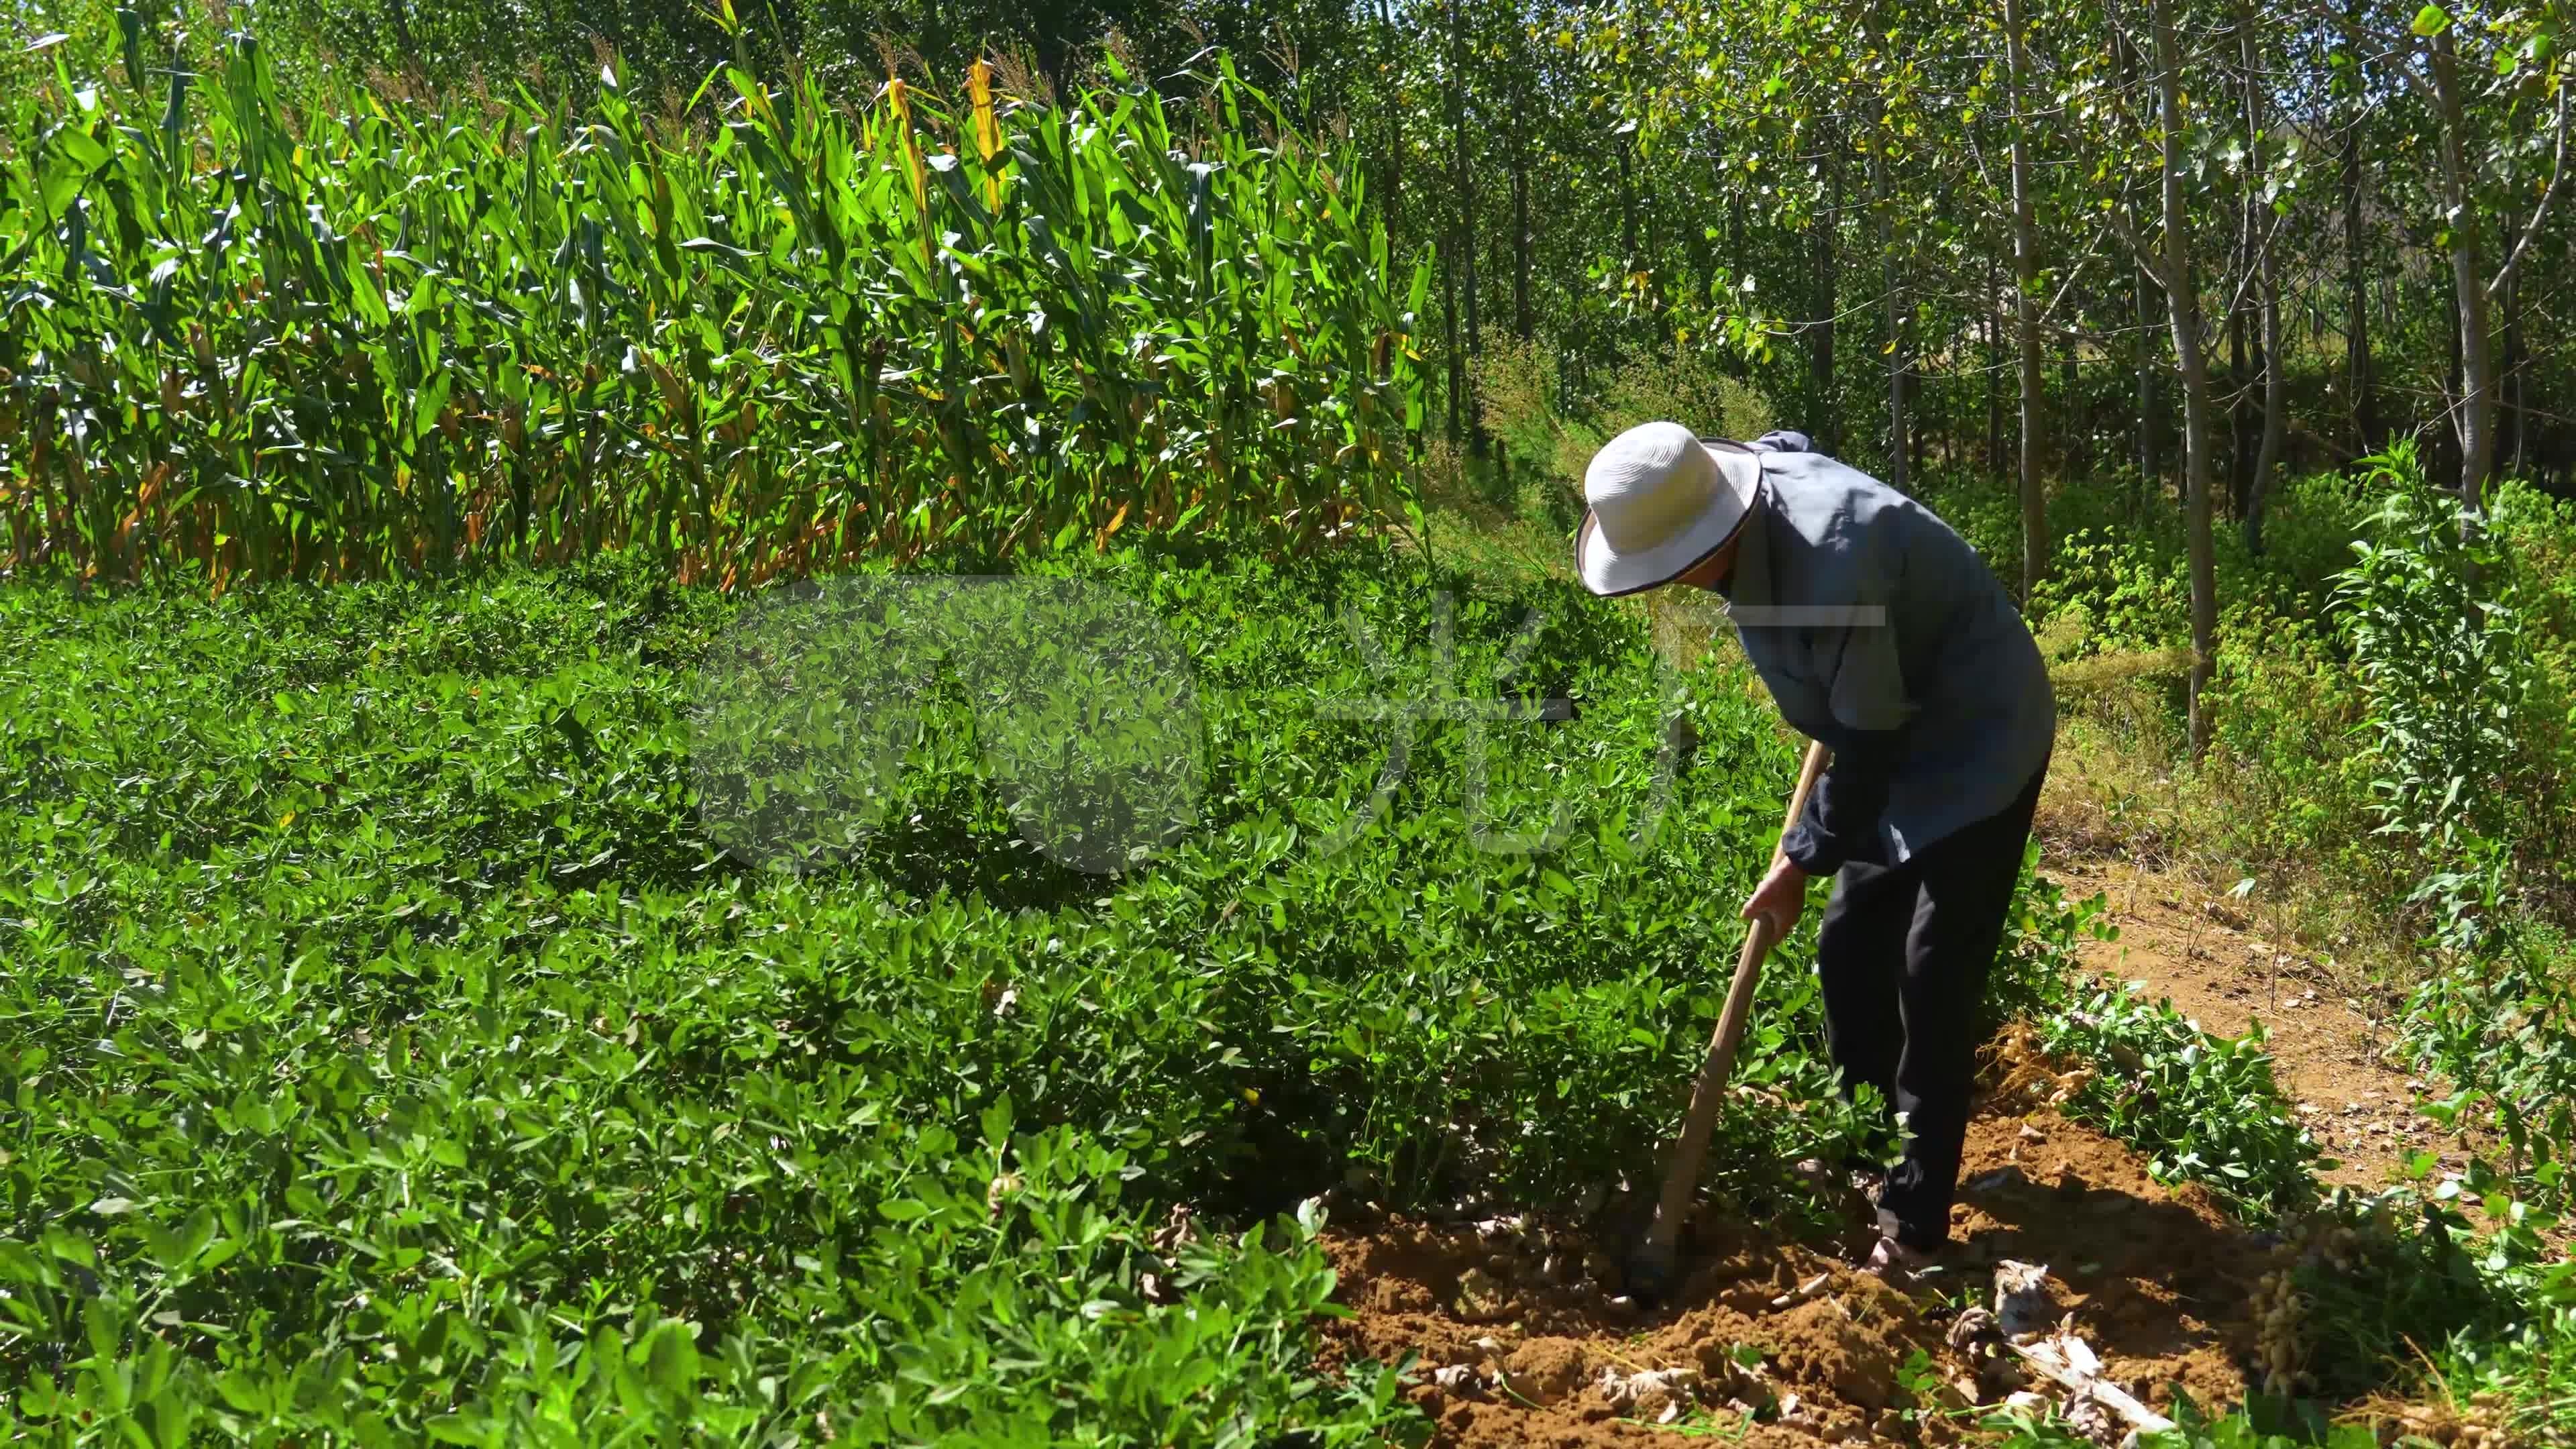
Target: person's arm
(1841, 818)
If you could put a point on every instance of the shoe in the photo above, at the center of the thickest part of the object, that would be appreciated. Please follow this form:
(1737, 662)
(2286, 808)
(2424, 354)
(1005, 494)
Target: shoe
(1893, 1260)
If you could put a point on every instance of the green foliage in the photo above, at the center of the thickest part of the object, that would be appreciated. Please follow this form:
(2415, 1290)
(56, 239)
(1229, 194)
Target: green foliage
(388, 1046)
(2114, 594)
(2442, 666)
(391, 1052)
(1548, 430)
(2503, 1032)
(2463, 651)
(2205, 1109)
(2120, 569)
(2411, 1274)
(342, 334)
(2249, 1427)
(1682, 384)
(2286, 708)
(2530, 1366)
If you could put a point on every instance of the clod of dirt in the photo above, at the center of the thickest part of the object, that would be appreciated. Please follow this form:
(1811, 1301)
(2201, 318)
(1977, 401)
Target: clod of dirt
(2023, 1302)
(1973, 1326)
(1482, 1298)
(1820, 1342)
(1545, 1370)
(1457, 1378)
(1977, 1336)
(2088, 1417)
(1656, 1395)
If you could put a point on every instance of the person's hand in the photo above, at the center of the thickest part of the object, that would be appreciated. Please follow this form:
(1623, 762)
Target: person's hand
(1782, 896)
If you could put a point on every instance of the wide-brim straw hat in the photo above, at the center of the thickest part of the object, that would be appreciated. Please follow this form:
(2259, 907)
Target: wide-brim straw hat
(1661, 499)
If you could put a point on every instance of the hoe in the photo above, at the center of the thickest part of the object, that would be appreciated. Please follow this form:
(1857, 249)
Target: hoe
(1650, 1272)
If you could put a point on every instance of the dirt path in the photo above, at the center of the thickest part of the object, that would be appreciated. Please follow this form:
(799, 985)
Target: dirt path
(1525, 1341)
(2191, 944)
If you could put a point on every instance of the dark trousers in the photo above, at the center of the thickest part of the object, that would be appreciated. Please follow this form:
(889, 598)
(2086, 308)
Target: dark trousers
(1903, 953)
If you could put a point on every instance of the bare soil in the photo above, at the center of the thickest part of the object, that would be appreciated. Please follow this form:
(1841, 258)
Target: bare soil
(2326, 1034)
(2157, 1280)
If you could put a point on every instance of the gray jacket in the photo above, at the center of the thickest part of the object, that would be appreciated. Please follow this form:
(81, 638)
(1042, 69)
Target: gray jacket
(1881, 632)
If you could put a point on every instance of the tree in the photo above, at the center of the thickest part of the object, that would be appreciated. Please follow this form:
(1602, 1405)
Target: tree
(2351, 86)
(2182, 298)
(2025, 234)
(2262, 231)
(2159, 125)
(2475, 126)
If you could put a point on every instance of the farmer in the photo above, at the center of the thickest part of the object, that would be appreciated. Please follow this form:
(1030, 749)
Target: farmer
(1882, 634)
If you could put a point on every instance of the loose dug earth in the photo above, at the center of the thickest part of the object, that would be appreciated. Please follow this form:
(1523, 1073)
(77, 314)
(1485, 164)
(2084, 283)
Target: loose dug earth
(2156, 1280)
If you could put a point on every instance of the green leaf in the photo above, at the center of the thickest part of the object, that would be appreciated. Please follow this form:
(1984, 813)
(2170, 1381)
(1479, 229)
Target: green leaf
(2430, 21)
(671, 1358)
(430, 402)
(84, 148)
(904, 1209)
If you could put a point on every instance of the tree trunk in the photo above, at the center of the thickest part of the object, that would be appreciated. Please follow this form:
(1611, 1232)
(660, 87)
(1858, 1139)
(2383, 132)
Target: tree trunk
(2182, 304)
(1820, 338)
(2267, 296)
(1993, 329)
(2150, 414)
(2124, 60)
(1466, 183)
(2034, 498)
(2076, 428)
(2240, 412)
(1521, 238)
(2368, 433)
(2447, 461)
(2276, 404)
(1457, 359)
(400, 14)
(2477, 413)
(2244, 424)
(1055, 52)
(1735, 237)
(2516, 423)
(1627, 204)
(1897, 430)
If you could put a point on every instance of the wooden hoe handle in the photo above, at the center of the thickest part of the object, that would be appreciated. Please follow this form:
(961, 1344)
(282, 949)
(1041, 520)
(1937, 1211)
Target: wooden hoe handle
(1682, 1176)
